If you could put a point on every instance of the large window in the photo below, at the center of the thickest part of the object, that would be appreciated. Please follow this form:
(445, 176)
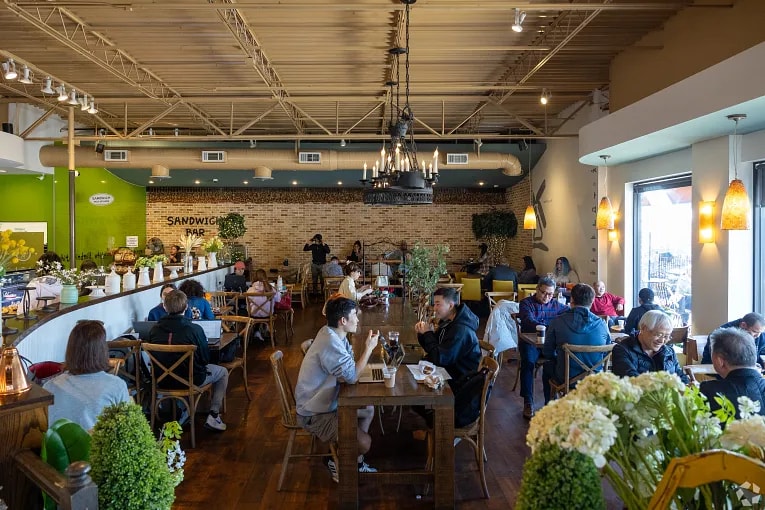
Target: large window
(758, 215)
(663, 223)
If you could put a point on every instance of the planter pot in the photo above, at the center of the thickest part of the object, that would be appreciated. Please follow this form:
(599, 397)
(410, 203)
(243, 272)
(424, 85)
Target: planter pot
(173, 272)
(143, 277)
(202, 264)
(159, 273)
(212, 259)
(69, 294)
(128, 280)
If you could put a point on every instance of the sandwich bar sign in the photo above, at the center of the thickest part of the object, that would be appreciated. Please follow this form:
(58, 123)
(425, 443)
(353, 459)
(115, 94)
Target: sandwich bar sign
(101, 199)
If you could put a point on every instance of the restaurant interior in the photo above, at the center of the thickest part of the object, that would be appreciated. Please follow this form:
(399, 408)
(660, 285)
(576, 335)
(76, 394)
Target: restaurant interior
(395, 124)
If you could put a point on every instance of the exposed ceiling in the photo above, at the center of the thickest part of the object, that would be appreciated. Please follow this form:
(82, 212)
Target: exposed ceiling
(301, 70)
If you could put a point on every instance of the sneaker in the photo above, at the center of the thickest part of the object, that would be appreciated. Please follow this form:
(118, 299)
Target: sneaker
(333, 470)
(184, 418)
(528, 410)
(215, 423)
(457, 440)
(366, 468)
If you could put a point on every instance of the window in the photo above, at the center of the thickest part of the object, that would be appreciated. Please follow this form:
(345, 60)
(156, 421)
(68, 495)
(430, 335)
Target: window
(758, 217)
(663, 227)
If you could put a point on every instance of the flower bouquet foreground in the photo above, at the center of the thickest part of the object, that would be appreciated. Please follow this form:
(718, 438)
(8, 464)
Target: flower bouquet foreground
(630, 429)
(65, 276)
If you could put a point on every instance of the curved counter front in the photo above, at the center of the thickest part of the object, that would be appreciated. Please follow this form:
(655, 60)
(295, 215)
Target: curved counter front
(45, 339)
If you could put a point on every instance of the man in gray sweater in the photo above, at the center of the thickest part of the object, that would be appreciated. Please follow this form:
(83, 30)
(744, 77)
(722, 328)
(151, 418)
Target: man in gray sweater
(329, 362)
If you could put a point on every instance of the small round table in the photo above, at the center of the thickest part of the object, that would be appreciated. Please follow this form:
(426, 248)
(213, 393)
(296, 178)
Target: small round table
(46, 307)
(6, 330)
(26, 303)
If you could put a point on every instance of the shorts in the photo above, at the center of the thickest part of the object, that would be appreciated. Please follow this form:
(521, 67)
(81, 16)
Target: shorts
(324, 426)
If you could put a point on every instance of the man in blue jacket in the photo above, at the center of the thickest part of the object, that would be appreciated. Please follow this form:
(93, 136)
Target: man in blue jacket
(575, 326)
(753, 324)
(454, 345)
(734, 358)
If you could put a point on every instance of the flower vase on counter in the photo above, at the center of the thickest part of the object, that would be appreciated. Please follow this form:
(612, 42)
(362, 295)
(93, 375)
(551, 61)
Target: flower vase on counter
(173, 272)
(212, 259)
(159, 273)
(189, 264)
(112, 282)
(202, 264)
(69, 294)
(143, 277)
(128, 280)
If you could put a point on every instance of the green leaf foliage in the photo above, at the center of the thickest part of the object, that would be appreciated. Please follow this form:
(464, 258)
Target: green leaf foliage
(556, 479)
(495, 223)
(231, 226)
(126, 464)
(425, 267)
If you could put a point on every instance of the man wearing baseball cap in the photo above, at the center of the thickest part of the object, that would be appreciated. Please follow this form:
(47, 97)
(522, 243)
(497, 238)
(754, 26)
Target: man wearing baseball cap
(235, 282)
(319, 251)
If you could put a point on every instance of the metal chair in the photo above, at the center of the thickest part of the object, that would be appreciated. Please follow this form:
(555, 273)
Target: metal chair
(289, 417)
(188, 393)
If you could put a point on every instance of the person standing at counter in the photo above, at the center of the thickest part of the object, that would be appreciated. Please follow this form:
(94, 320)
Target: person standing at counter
(319, 251)
(198, 307)
(159, 311)
(82, 392)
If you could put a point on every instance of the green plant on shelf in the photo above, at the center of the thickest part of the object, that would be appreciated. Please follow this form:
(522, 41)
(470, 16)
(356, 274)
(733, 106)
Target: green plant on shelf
(214, 244)
(231, 226)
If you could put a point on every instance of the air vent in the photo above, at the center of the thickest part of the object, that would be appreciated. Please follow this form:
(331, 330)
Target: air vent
(310, 157)
(213, 156)
(113, 155)
(457, 159)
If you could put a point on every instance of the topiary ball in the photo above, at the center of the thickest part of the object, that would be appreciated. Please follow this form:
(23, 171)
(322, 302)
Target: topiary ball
(554, 479)
(130, 470)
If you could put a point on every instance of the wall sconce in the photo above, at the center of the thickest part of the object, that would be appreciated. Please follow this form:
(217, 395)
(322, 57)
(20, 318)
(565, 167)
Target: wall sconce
(706, 222)
(613, 235)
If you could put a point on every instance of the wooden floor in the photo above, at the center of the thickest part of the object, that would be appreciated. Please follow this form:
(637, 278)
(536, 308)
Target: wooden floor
(239, 469)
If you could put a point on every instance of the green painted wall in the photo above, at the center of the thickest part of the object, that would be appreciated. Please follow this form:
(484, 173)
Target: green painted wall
(98, 228)
(26, 198)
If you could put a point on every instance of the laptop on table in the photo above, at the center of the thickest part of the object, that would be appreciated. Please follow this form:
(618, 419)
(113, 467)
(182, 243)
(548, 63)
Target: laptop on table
(213, 330)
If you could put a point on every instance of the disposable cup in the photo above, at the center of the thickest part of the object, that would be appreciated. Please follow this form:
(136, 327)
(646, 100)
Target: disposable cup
(390, 379)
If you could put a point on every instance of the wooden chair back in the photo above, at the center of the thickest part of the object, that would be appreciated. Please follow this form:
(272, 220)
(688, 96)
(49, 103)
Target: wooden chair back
(525, 288)
(704, 468)
(284, 388)
(570, 352)
(332, 285)
(502, 286)
(133, 378)
(494, 297)
(471, 289)
(242, 326)
(260, 305)
(488, 350)
(166, 372)
(459, 275)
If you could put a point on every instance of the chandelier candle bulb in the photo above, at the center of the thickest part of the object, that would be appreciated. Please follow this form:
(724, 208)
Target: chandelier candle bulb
(430, 171)
(398, 160)
(364, 175)
(435, 161)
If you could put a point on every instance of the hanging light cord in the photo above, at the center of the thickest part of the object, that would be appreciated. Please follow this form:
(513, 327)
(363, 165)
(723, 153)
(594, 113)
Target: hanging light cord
(735, 148)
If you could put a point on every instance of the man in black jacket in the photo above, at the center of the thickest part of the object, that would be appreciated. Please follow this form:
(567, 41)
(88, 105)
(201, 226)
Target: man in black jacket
(319, 251)
(454, 345)
(734, 357)
(753, 324)
(176, 329)
(645, 296)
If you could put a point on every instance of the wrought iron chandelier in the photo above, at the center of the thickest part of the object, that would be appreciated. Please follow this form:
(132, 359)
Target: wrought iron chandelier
(397, 178)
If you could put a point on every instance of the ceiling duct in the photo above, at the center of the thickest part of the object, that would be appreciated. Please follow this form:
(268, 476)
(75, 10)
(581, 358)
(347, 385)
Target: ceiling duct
(242, 159)
(160, 172)
(262, 173)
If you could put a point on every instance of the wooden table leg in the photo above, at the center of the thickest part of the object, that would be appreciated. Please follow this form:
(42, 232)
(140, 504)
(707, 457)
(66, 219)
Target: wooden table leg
(443, 471)
(348, 451)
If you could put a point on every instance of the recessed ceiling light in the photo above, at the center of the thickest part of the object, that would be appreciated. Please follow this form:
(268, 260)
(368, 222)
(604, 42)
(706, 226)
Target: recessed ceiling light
(496, 185)
(196, 182)
(215, 180)
(245, 182)
(481, 183)
(339, 183)
(151, 182)
(294, 183)
(103, 182)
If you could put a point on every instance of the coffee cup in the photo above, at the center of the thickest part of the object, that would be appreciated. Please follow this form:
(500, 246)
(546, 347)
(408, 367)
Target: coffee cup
(541, 330)
(390, 379)
(620, 322)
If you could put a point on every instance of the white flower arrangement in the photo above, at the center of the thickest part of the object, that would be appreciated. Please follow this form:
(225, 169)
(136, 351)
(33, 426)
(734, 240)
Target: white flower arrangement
(746, 435)
(189, 242)
(170, 445)
(65, 276)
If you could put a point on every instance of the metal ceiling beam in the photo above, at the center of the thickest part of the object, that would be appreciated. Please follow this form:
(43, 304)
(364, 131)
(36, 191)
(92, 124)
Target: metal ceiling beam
(240, 29)
(484, 5)
(527, 59)
(255, 120)
(73, 33)
(525, 123)
(39, 121)
(370, 112)
(315, 137)
(148, 123)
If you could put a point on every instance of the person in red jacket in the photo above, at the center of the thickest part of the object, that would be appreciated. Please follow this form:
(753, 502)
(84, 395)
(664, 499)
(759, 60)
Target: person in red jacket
(607, 304)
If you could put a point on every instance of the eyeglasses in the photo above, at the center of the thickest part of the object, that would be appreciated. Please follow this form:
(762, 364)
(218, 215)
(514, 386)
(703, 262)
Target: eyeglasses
(548, 294)
(662, 336)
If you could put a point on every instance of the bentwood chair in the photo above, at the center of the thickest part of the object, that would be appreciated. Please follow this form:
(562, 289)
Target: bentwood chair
(299, 290)
(571, 353)
(242, 325)
(475, 433)
(515, 354)
(488, 350)
(260, 306)
(497, 296)
(332, 285)
(168, 362)
(130, 359)
(288, 315)
(289, 417)
(223, 303)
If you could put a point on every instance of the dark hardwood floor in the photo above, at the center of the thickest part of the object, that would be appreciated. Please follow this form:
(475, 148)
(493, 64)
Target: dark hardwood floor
(239, 468)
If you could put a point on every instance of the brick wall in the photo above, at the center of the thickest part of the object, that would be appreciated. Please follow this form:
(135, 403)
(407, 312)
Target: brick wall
(278, 229)
(518, 199)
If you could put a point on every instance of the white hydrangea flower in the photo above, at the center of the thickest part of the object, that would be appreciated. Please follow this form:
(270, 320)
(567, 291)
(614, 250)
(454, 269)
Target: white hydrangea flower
(615, 393)
(748, 407)
(745, 434)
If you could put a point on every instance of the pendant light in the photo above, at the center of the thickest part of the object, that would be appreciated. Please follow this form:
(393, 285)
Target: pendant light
(605, 217)
(736, 207)
(530, 217)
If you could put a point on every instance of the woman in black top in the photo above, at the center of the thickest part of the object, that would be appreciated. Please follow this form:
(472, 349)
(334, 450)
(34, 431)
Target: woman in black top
(355, 255)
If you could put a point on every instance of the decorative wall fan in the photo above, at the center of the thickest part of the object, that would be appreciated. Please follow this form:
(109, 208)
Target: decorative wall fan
(156, 246)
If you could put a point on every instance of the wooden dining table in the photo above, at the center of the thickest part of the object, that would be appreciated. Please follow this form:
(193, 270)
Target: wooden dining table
(539, 341)
(398, 316)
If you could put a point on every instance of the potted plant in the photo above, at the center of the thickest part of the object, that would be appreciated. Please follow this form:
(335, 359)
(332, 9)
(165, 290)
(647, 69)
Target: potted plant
(423, 269)
(495, 227)
(70, 279)
(129, 468)
(230, 228)
(212, 247)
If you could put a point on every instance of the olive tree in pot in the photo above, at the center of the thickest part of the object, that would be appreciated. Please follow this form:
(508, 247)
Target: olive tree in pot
(495, 227)
(230, 228)
(423, 269)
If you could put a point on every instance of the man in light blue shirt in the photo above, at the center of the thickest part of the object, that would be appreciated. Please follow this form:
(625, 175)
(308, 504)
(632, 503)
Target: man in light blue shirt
(328, 363)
